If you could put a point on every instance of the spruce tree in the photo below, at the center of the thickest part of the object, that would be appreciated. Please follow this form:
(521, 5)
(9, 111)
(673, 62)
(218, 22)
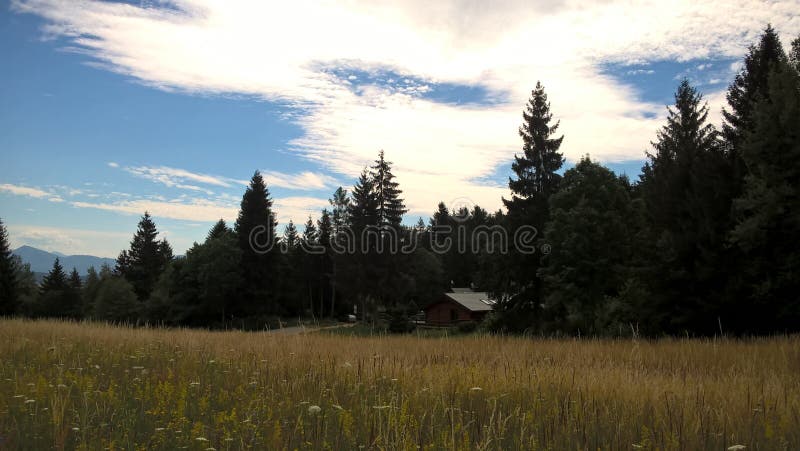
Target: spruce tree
(749, 86)
(54, 293)
(9, 298)
(363, 209)
(256, 234)
(387, 194)
(143, 263)
(536, 167)
(290, 236)
(340, 214)
(90, 292)
(767, 212)
(687, 217)
(520, 290)
(219, 230)
(74, 297)
(56, 279)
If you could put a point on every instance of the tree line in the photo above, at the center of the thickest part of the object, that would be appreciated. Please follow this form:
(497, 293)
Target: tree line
(705, 242)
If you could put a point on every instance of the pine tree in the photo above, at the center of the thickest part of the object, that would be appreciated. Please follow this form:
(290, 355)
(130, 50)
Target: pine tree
(256, 233)
(687, 217)
(290, 236)
(767, 212)
(340, 205)
(54, 296)
(520, 290)
(219, 230)
(74, 295)
(363, 209)
(56, 279)
(387, 194)
(749, 86)
(9, 298)
(90, 292)
(536, 168)
(143, 263)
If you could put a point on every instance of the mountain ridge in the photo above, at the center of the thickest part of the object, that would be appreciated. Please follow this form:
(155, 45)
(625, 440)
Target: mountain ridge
(42, 261)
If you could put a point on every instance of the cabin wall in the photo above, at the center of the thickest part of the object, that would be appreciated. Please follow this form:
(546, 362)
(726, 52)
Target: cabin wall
(443, 314)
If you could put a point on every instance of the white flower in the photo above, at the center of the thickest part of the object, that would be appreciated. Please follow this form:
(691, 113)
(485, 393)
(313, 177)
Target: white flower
(201, 439)
(76, 429)
(736, 447)
(313, 410)
(475, 389)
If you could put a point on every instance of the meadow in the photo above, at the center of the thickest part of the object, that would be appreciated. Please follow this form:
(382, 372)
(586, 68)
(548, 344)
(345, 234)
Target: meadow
(93, 386)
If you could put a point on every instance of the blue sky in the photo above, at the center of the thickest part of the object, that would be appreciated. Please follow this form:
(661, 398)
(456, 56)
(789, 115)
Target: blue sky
(108, 109)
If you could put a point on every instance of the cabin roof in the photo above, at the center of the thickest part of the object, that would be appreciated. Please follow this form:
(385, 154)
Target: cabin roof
(472, 301)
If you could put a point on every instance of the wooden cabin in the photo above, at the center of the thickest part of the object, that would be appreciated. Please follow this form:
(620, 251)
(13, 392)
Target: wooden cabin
(461, 305)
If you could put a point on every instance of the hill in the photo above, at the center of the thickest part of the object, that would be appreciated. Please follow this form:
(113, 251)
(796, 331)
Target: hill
(42, 261)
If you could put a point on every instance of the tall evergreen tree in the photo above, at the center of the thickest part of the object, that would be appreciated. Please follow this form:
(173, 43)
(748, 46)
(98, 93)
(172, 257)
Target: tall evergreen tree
(687, 217)
(290, 235)
(325, 234)
(143, 263)
(256, 232)
(749, 86)
(55, 296)
(340, 210)
(387, 194)
(56, 279)
(219, 230)
(769, 222)
(536, 167)
(9, 298)
(519, 290)
(363, 209)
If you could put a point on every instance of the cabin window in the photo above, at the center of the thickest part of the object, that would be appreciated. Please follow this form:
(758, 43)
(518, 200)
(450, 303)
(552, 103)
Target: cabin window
(453, 315)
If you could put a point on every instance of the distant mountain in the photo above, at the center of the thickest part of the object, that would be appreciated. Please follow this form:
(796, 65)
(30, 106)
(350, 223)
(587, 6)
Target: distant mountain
(42, 261)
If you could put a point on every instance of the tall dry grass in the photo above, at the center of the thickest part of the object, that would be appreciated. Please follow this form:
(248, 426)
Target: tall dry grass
(90, 386)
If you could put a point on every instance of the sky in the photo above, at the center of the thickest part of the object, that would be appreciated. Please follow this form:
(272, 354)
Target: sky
(109, 109)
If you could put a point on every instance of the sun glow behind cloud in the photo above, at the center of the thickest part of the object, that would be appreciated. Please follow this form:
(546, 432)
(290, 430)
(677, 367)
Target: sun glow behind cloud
(295, 53)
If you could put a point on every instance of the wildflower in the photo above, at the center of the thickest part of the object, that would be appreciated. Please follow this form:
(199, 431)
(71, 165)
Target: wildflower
(201, 439)
(313, 410)
(76, 429)
(475, 389)
(30, 401)
(337, 407)
(212, 361)
(736, 447)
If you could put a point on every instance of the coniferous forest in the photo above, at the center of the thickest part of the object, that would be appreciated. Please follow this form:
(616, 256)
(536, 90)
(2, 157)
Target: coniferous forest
(704, 243)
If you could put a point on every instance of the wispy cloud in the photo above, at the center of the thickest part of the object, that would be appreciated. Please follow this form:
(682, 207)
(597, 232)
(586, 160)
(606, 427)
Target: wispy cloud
(27, 191)
(305, 180)
(284, 52)
(184, 179)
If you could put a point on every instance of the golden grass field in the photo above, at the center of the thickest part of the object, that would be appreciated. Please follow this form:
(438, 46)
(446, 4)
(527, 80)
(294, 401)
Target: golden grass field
(91, 386)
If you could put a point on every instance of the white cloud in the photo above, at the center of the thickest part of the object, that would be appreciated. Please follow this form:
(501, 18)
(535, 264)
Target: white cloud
(305, 180)
(181, 178)
(279, 51)
(113, 164)
(37, 193)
